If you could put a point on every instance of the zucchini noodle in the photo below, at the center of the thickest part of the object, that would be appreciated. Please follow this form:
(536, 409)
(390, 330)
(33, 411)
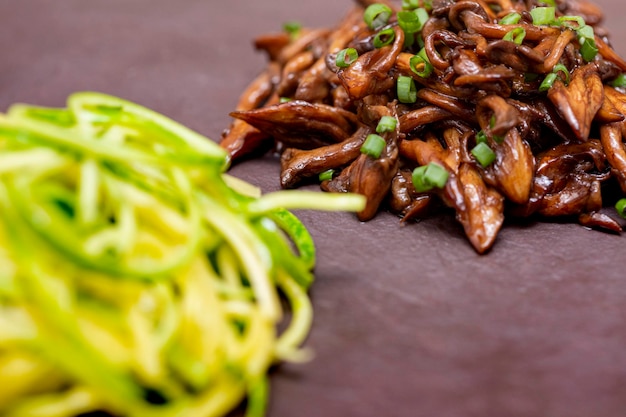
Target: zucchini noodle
(137, 278)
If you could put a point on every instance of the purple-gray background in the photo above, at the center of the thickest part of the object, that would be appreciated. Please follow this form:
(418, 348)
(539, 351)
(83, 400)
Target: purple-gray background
(409, 321)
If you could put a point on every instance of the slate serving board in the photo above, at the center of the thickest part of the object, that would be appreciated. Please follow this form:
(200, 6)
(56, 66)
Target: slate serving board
(409, 320)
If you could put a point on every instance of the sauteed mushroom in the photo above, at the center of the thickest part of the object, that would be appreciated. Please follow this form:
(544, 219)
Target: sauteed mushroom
(517, 108)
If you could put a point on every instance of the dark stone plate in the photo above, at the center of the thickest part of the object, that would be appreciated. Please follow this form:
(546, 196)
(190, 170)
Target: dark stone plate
(409, 320)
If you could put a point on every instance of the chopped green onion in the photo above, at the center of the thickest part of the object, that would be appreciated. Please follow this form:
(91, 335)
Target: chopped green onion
(386, 124)
(562, 68)
(326, 175)
(414, 4)
(426, 177)
(420, 40)
(406, 90)
(483, 154)
(418, 178)
(373, 145)
(410, 4)
(588, 48)
(548, 2)
(420, 64)
(284, 100)
(547, 82)
(587, 41)
(422, 16)
(585, 31)
(516, 35)
(345, 57)
(481, 137)
(436, 175)
(620, 206)
(492, 124)
(412, 22)
(511, 19)
(620, 81)
(377, 15)
(384, 38)
(543, 15)
(571, 22)
(292, 28)
(409, 22)
(409, 39)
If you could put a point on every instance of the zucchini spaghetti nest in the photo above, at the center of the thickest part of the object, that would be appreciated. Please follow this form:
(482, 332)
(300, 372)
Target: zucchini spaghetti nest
(137, 278)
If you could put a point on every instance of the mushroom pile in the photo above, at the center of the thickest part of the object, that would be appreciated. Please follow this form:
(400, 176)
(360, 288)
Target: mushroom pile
(483, 107)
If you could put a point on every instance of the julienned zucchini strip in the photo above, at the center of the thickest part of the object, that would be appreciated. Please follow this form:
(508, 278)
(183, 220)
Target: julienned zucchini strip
(138, 278)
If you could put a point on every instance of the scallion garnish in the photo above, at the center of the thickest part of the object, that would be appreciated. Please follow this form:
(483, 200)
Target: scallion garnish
(548, 2)
(511, 19)
(571, 22)
(619, 81)
(492, 124)
(620, 206)
(410, 4)
(587, 41)
(427, 177)
(422, 16)
(585, 31)
(384, 38)
(284, 100)
(386, 124)
(326, 175)
(373, 145)
(345, 57)
(292, 28)
(543, 15)
(562, 69)
(406, 90)
(588, 48)
(516, 35)
(420, 40)
(481, 137)
(412, 22)
(547, 82)
(414, 4)
(483, 154)
(377, 15)
(409, 22)
(420, 64)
